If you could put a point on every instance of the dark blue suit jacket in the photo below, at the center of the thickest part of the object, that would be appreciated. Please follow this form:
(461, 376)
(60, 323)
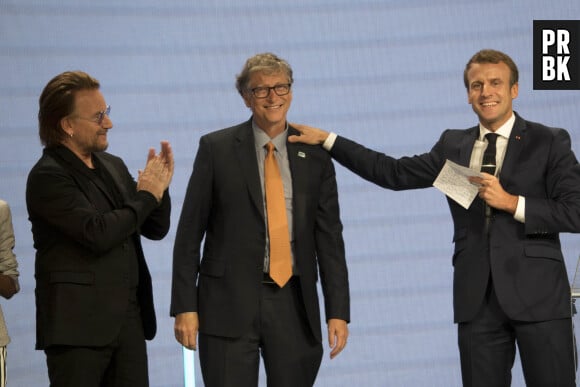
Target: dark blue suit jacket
(524, 260)
(224, 205)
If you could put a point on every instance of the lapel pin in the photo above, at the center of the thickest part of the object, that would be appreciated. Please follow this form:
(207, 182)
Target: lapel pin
(302, 154)
(518, 138)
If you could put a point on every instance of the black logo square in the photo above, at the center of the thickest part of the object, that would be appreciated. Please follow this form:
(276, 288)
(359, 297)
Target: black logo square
(556, 54)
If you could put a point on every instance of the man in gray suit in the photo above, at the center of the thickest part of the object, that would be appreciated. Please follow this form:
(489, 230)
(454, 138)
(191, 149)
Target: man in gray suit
(510, 282)
(231, 294)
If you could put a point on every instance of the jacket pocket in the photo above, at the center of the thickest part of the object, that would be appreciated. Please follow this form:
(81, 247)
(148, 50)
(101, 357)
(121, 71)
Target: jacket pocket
(72, 277)
(543, 250)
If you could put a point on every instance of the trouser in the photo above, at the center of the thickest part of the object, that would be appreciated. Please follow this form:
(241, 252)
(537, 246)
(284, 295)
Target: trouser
(122, 363)
(280, 333)
(487, 347)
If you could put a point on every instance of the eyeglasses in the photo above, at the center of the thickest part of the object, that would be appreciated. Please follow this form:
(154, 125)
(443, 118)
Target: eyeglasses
(99, 117)
(264, 91)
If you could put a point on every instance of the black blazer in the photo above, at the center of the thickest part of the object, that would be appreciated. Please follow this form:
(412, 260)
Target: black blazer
(525, 260)
(82, 264)
(224, 204)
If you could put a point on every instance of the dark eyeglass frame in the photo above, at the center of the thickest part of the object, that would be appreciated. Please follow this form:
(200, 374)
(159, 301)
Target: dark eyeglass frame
(264, 91)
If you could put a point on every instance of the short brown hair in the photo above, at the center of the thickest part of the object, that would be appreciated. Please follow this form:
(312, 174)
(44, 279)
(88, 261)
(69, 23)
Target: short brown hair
(57, 101)
(266, 62)
(492, 56)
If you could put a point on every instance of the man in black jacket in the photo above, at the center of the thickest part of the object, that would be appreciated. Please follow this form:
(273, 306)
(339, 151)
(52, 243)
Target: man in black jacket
(94, 302)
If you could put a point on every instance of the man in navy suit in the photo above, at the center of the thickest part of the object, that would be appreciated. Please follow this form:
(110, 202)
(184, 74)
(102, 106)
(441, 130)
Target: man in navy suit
(510, 280)
(228, 294)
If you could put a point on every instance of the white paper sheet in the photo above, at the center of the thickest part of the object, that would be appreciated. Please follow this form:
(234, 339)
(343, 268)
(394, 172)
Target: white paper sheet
(452, 181)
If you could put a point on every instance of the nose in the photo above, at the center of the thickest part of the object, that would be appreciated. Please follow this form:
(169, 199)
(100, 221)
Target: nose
(485, 90)
(107, 123)
(271, 93)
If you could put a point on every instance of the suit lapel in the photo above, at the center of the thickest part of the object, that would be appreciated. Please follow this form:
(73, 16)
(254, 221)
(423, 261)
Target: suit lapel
(114, 173)
(465, 151)
(466, 147)
(514, 148)
(78, 169)
(298, 158)
(246, 158)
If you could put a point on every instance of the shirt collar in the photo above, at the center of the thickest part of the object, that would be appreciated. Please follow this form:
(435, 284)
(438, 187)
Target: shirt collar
(261, 138)
(504, 130)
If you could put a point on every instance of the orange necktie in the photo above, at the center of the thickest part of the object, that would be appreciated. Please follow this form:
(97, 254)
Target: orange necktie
(280, 258)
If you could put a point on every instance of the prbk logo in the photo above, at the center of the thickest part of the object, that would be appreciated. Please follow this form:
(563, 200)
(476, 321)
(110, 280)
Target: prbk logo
(557, 54)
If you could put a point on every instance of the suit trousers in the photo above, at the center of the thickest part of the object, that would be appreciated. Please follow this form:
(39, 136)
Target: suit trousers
(280, 333)
(123, 363)
(487, 346)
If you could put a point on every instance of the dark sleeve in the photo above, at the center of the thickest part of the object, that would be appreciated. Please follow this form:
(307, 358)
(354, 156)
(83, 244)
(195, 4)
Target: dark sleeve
(557, 207)
(330, 248)
(190, 232)
(61, 204)
(157, 224)
(386, 171)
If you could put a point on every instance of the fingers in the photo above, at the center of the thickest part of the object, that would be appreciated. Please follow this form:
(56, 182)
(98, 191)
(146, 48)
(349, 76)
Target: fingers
(150, 154)
(486, 180)
(337, 336)
(155, 177)
(338, 343)
(166, 152)
(308, 135)
(155, 166)
(301, 128)
(165, 147)
(166, 155)
(160, 163)
(185, 329)
(158, 172)
(293, 138)
(188, 341)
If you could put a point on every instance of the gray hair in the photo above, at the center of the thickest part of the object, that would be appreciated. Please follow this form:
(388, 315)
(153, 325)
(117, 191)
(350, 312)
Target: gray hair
(266, 62)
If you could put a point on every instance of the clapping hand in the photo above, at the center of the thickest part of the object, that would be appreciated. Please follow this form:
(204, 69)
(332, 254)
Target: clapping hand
(158, 172)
